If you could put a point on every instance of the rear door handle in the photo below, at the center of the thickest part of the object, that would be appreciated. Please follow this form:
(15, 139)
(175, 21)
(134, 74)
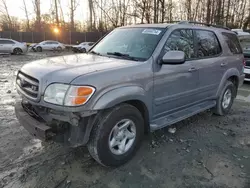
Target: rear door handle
(223, 64)
(192, 69)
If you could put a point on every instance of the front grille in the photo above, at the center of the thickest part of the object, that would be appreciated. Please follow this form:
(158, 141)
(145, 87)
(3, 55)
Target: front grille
(28, 84)
(247, 76)
(247, 62)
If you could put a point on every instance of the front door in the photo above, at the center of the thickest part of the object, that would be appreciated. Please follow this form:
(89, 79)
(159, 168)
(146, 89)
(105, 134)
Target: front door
(175, 86)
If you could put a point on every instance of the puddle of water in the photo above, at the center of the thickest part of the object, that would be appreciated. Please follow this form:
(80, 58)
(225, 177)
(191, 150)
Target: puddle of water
(35, 146)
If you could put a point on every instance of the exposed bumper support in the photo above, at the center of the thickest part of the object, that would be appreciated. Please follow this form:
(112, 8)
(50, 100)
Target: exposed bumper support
(61, 131)
(33, 126)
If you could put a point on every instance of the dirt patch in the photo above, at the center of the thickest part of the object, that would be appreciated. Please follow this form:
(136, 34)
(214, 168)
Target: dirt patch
(205, 151)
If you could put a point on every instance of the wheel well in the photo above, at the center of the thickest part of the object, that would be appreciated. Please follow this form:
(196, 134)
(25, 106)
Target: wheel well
(235, 80)
(144, 111)
(17, 48)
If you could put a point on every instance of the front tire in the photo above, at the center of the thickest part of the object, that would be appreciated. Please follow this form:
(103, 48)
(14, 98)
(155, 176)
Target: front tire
(59, 49)
(39, 49)
(83, 50)
(116, 135)
(226, 98)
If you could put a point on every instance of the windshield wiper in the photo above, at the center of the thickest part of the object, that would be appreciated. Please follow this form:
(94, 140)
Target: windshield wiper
(119, 54)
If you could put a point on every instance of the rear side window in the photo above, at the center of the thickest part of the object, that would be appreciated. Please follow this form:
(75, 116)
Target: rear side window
(181, 40)
(233, 43)
(207, 44)
(6, 42)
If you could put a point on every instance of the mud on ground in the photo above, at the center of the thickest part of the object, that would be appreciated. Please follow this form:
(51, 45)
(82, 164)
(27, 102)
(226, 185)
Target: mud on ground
(206, 151)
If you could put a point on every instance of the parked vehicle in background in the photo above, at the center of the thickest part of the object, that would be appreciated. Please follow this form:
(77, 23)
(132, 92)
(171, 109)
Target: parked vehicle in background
(245, 43)
(240, 32)
(137, 79)
(82, 47)
(49, 45)
(12, 46)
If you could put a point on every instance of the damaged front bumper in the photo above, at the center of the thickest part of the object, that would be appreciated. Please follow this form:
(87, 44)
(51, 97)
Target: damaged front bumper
(47, 124)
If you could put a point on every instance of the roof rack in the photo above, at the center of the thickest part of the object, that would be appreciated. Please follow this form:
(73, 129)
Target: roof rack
(206, 24)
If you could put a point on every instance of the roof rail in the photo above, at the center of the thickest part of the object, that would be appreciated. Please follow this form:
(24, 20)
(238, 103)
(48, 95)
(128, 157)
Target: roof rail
(206, 24)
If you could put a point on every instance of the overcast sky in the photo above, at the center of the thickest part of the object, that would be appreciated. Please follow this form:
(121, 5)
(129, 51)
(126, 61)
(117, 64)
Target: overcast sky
(15, 8)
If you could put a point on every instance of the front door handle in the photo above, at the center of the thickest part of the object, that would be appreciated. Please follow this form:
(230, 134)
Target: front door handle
(223, 64)
(192, 69)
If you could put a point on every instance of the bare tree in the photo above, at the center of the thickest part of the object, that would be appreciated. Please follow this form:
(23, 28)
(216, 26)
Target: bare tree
(5, 11)
(26, 15)
(61, 12)
(56, 12)
(72, 9)
(247, 20)
(208, 19)
(188, 8)
(37, 10)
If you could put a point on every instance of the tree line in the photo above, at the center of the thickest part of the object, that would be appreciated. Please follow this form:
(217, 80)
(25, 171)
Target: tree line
(105, 15)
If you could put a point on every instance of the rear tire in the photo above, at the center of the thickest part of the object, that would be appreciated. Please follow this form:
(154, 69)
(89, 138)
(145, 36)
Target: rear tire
(112, 144)
(226, 98)
(17, 51)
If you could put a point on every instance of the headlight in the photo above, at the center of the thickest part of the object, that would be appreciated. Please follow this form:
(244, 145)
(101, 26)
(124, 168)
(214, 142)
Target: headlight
(55, 93)
(63, 94)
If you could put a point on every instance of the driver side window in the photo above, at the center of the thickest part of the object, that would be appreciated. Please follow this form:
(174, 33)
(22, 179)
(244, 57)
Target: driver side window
(181, 40)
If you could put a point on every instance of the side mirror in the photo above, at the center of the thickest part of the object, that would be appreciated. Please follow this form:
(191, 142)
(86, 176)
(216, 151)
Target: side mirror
(173, 57)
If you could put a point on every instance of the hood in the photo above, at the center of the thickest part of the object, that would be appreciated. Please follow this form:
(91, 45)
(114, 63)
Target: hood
(65, 69)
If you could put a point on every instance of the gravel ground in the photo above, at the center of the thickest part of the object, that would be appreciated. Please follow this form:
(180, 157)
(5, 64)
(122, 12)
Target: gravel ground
(206, 150)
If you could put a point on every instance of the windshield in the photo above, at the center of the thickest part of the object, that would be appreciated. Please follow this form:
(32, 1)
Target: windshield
(138, 43)
(245, 43)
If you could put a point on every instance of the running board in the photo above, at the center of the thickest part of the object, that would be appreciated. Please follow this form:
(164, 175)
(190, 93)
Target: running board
(181, 115)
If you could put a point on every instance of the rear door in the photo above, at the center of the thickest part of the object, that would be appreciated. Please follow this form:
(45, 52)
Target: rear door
(54, 44)
(235, 54)
(210, 63)
(46, 45)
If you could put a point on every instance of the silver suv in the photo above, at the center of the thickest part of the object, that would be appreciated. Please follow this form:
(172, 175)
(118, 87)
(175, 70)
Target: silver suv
(135, 80)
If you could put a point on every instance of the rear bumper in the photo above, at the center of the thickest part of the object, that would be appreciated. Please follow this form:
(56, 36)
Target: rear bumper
(247, 74)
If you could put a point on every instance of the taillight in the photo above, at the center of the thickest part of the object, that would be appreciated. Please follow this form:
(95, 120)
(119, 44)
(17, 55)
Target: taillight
(244, 62)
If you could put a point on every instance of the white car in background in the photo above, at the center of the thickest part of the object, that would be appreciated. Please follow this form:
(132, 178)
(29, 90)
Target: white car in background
(245, 43)
(49, 45)
(12, 46)
(82, 47)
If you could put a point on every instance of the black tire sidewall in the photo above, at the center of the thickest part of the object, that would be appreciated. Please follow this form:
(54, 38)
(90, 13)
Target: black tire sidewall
(17, 51)
(83, 50)
(39, 49)
(104, 152)
(231, 86)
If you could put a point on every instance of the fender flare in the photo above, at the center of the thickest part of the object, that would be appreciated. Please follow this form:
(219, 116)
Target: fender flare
(227, 74)
(119, 95)
(112, 98)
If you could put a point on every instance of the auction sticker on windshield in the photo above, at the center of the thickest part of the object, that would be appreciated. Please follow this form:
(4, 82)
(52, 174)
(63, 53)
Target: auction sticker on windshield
(151, 31)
